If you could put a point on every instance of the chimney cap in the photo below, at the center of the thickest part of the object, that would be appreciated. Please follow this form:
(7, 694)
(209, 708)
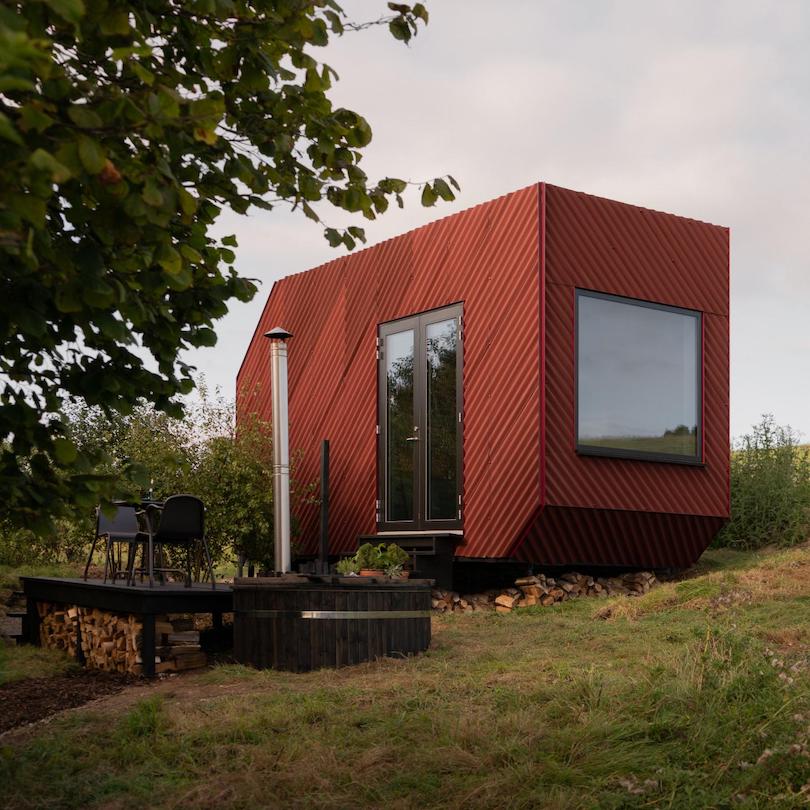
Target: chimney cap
(278, 333)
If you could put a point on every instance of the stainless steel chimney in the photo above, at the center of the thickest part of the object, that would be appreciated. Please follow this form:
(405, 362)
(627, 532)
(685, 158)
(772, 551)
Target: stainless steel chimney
(281, 448)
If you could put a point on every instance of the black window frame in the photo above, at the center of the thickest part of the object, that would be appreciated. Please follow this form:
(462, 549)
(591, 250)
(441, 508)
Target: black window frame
(641, 455)
(418, 321)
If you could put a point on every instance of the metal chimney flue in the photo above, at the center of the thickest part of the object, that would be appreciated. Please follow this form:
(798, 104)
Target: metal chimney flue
(281, 448)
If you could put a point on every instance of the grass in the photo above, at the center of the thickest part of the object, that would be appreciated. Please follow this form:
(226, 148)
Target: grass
(21, 662)
(681, 444)
(696, 695)
(10, 576)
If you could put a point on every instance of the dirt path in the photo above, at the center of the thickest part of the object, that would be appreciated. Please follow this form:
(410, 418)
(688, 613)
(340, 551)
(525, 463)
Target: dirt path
(29, 705)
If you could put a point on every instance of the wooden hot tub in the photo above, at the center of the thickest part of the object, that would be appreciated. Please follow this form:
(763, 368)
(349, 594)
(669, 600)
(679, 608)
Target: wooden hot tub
(300, 624)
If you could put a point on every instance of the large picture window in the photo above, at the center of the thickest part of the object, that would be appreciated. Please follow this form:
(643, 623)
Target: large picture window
(638, 379)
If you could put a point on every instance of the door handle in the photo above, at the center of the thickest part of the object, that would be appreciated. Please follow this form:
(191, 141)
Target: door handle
(412, 439)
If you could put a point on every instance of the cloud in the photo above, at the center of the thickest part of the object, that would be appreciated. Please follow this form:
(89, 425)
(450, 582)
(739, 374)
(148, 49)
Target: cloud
(696, 108)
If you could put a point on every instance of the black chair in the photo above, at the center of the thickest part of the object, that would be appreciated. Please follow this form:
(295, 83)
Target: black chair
(180, 521)
(122, 527)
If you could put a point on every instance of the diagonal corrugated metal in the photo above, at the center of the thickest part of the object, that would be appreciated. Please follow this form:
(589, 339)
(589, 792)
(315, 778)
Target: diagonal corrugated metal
(486, 257)
(571, 536)
(619, 509)
(527, 494)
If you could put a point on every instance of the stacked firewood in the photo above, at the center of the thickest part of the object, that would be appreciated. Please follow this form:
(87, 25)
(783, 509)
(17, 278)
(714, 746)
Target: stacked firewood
(177, 644)
(544, 591)
(112, 641)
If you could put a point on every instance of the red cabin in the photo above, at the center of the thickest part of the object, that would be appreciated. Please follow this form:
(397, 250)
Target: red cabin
(540, 379)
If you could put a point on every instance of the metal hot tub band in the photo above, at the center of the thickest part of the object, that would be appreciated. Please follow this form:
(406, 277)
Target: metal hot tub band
(335, 614)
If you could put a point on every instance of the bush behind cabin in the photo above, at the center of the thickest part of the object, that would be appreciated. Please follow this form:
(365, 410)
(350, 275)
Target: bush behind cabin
(201, 454)
(770, 489)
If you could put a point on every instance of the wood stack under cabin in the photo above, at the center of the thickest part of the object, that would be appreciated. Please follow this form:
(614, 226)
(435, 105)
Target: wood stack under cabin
(542, 590)
(112, 641)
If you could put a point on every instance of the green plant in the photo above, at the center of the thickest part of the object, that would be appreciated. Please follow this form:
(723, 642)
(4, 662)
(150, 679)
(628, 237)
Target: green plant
(368, 557)
(394, 559)
(770, 489)
(346, 566)
(390, 558)
(127, 129)
(201, 453)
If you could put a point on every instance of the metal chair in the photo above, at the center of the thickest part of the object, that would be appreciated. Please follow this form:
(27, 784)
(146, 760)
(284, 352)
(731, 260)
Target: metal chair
(122, 527)
(180, 521)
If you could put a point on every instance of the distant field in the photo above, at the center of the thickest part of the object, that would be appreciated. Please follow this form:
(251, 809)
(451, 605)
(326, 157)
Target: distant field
(696, 695)
(682, 445)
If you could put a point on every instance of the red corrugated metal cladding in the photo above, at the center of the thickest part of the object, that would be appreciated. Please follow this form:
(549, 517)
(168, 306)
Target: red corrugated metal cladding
(617, 511)
(527, 494)
(488, 258)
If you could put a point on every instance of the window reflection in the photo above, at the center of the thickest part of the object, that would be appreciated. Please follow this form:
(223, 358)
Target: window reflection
(400, 424)
(442, 412)
(638, 377)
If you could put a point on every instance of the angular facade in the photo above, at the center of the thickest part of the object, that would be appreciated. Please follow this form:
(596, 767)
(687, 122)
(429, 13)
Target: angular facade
(542, 378)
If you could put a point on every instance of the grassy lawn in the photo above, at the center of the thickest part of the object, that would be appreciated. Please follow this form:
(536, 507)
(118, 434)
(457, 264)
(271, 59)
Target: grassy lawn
(696, 695)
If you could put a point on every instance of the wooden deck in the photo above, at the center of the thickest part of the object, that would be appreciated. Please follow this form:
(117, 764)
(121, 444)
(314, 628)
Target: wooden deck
(137, 599)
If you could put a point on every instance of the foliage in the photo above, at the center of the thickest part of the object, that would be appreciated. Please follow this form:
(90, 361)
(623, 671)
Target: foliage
(348, 565)
(682, 708)
(127, 127)
(390, 558)
(770, 489)
(201, 454)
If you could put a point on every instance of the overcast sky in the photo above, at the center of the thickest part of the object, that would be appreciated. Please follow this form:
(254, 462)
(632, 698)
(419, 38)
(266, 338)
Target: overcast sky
(696, 108)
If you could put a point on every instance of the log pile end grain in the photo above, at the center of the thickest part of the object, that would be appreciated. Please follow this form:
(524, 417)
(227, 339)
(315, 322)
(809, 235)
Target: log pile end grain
(112, 641)
(545, 591)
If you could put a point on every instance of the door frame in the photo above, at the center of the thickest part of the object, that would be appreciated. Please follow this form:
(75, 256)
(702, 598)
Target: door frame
(419, 322)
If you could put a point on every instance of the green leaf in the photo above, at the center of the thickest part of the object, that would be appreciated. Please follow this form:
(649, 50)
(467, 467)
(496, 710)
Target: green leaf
(70, 10)
(205, 337)
(420, 12)
(91, 154)
(188, 202)
(152, 195)
(400, 29)
(443, 190)
(205, 135)
(64, 451)
(10, 83)
(30, 208)
(67, 300)
(146, 76)
(33, 118)
(429, 196)
(115, 22)
(360, 135)
(169, 259)
(333, 237)
(191, 254)
(46, 162)
(453, 182)
(8, 132)
(84, 117)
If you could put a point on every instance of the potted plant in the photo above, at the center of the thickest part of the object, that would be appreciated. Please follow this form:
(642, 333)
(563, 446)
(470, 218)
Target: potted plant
(394, 559)
(348, 567)
(376, 561)
(369, 559)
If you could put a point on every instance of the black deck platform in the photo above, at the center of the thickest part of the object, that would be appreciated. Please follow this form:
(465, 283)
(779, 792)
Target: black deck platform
(138, 599)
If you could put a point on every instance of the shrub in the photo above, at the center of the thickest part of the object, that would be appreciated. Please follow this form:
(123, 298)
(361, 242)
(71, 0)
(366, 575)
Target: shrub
(202, 454)
(770, 489)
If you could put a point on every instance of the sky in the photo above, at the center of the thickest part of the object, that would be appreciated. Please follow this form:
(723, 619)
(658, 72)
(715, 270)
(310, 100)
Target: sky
(695, 108)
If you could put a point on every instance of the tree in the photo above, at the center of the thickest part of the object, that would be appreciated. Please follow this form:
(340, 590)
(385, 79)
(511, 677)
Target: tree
(126, 128)
(201, 454)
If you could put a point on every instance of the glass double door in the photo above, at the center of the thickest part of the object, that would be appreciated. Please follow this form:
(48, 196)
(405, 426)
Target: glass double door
(420, 415)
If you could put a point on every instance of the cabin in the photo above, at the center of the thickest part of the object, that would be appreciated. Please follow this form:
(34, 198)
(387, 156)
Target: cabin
(539, 381)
